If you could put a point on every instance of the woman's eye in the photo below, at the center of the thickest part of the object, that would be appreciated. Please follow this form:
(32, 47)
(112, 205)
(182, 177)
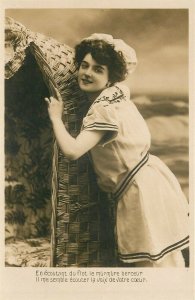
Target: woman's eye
(98, 70)
(83, 66)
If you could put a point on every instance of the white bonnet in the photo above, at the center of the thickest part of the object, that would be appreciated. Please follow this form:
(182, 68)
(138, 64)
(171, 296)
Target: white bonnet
(128, 52)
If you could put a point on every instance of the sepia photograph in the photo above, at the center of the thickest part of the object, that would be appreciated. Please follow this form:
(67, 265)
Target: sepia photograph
(97, 143)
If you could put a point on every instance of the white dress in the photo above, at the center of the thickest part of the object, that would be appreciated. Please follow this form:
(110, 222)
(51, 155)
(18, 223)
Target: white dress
(151, 210)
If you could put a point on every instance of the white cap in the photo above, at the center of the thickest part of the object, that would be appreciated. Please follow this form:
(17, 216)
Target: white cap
(128, 52)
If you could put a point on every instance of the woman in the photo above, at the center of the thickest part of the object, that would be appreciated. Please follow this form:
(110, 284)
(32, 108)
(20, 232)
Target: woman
(151, 210)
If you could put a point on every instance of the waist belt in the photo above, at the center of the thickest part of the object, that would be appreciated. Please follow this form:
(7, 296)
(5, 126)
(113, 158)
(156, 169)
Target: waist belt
(128, 178)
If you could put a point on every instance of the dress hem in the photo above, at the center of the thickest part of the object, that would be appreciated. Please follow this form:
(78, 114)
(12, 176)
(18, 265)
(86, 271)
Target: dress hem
(141, 256)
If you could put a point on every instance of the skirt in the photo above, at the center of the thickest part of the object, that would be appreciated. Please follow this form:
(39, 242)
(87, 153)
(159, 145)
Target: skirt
(151, 215)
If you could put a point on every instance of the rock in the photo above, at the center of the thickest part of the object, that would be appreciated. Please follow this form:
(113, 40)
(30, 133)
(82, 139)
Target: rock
(27, 253)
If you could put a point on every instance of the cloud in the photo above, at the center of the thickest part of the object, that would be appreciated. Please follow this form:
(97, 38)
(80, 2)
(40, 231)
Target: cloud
(159, 36)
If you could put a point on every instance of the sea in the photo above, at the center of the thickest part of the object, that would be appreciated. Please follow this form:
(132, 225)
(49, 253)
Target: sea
(168, 120)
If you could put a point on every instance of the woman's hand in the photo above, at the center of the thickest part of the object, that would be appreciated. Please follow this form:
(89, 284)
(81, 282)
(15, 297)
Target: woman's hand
(55, 107)
(72, 147)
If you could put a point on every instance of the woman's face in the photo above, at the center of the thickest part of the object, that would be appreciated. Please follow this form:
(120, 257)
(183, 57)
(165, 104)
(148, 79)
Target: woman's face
(92, 77)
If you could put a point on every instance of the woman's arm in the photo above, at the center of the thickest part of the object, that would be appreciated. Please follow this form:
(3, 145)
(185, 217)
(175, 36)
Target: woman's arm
(73, 148)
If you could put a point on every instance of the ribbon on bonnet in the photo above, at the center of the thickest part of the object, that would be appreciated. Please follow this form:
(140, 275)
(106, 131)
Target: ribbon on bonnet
(128, 52)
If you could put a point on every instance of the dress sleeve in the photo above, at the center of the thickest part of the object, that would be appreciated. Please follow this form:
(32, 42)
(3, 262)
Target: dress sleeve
(101, 117)
(103, 114)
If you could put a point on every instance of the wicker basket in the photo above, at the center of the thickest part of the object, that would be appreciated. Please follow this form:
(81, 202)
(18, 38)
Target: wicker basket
(82, 216)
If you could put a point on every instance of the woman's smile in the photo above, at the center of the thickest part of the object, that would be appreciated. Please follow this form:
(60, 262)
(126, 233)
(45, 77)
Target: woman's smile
(86, 80)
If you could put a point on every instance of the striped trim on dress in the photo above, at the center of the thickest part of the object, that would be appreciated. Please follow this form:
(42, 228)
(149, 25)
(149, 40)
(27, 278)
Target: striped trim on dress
(125, 182)
(144, 255)
(104, 126)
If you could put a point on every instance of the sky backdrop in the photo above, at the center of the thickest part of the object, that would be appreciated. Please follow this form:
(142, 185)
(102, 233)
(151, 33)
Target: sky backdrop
(159, 36)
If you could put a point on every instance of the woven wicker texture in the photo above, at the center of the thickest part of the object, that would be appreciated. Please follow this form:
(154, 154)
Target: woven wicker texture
(82, 217)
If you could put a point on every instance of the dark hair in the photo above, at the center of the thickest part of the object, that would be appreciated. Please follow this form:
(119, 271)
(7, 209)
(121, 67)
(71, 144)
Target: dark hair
(104, 54)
